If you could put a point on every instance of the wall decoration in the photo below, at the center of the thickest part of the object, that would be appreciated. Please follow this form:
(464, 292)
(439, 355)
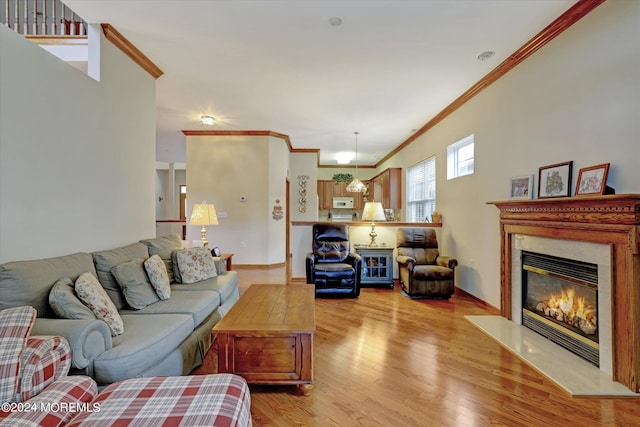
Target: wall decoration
(302, 200)
(521, 187)
(592, 180)
(277, 212)
(555, 180)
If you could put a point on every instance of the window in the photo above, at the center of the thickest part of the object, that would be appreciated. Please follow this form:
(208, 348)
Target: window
(460, 158)
(421, 190)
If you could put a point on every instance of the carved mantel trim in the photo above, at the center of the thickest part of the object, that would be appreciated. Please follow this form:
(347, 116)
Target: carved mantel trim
(613, 220)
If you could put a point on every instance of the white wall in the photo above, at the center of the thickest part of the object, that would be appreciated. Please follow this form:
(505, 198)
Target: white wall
(221, 169)
(77, 166)
(576, 99)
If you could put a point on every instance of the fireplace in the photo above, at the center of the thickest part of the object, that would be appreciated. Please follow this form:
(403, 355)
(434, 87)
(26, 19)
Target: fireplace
(560, 302)
(608, 226)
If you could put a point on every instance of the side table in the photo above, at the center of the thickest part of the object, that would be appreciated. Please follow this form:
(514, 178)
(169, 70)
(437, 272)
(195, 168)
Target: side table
(377, 265)
(228, 259)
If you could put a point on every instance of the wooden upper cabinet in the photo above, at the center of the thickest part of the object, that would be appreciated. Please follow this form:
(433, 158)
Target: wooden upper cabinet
(386, 188)
(325, 195)
(340, 189)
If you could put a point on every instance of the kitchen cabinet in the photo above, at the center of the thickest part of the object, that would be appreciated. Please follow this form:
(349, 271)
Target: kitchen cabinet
(325, 195)
(328, 189)
(387, 188)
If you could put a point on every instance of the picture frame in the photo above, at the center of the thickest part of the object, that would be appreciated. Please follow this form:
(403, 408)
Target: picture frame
(521, 187)
(592, 180)
(215, 251)
(555, 180)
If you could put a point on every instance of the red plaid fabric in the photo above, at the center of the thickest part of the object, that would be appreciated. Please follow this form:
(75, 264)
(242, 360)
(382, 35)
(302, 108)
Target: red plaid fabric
(44, 360)
(15, 326)
(220, 400)
(54, 406)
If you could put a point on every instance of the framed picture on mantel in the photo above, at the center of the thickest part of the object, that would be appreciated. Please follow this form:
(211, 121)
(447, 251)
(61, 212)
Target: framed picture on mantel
(555, 180)
(521, 187)
(592, 180)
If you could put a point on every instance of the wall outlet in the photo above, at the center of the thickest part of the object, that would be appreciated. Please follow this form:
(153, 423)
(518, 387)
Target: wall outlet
(243, 244)
(472, 263)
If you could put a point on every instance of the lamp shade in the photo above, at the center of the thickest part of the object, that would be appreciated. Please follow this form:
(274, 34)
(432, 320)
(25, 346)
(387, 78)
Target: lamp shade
(203, 214)
(373, 212)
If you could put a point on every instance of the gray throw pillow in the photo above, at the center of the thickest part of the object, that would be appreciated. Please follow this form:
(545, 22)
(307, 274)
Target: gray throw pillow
(135, 284)
(65, 303)
(177, 277)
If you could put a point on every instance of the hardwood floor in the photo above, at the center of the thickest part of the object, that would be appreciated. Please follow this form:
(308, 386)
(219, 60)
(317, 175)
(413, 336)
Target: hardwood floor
(386, 360)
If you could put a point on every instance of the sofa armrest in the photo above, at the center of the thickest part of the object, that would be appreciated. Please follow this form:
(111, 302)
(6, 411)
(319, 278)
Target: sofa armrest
(87, 338)
(310, 261)
(43, 360)
(446, 261)
(403, 259)
(221, 265)
(56, 405)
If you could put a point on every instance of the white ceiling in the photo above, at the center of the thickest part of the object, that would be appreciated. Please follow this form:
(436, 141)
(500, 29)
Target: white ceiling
(279, 65)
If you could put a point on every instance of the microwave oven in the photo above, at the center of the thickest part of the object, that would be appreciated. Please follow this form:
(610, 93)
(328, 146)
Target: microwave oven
(343, 202)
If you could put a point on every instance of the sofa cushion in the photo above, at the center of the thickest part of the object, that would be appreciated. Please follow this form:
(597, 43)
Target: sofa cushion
(198, 305)
(196, 264)
(147, 340)
(225, 284)
(158, 276)
(65, 303)
(105, 260)
(163, 247)
(133, 280)
(29, 282)
(15, 326)
(95, 297)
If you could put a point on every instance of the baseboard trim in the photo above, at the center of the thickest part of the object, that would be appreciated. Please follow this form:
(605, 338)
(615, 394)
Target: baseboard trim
(473, 297)
(258, 266)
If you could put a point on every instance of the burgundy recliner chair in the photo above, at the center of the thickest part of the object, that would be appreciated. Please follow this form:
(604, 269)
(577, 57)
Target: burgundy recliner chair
(330, 266)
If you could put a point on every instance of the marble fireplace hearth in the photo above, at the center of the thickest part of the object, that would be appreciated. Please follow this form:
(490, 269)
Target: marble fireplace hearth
(603, 230)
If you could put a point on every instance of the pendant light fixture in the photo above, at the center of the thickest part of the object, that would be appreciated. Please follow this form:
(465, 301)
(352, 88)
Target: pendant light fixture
(356, 186)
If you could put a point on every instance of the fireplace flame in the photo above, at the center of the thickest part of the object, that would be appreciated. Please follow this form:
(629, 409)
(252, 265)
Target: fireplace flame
(571, 309)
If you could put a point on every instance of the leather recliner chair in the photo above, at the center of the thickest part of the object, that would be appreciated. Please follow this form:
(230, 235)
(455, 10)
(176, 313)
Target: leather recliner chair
(424, 273)
(330, 266)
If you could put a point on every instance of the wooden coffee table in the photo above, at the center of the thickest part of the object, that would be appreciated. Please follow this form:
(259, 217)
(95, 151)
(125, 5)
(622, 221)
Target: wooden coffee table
(267, 336)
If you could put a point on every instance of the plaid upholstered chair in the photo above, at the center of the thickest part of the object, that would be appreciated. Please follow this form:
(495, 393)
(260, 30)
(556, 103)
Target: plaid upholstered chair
(330, 266)
(424, 273)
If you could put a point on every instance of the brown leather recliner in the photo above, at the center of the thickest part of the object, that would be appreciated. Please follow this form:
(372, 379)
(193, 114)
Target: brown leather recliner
(330, 266)
(424, 273)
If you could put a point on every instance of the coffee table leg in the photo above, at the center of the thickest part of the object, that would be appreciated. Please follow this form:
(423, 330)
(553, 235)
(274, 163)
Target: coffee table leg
(306, 389)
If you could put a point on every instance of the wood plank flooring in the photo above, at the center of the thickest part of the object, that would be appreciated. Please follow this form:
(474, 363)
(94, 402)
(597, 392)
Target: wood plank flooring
(386, 360)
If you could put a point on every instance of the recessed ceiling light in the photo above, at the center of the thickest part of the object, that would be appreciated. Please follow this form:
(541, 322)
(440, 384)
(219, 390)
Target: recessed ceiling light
(335, 21)
(486, 55)
(208, 120)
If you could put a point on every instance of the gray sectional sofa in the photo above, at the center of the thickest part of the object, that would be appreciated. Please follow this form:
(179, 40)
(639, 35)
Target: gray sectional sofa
(168, 337)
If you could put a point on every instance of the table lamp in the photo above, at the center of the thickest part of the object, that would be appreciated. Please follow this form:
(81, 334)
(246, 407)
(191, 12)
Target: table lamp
(373, 212)
(203, 214)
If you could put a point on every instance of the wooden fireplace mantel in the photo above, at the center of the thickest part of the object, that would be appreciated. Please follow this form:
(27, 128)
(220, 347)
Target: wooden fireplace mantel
(612, 220)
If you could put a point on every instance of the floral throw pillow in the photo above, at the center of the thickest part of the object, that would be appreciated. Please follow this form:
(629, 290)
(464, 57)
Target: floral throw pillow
(15, 326)
(158, 276)
(196, 264)
(93, 295)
